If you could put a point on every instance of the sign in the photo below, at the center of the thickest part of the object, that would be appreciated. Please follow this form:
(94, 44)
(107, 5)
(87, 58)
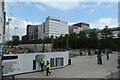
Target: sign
(23, 63)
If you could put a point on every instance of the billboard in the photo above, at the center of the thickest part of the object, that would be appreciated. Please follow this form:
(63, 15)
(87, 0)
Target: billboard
(22, 63)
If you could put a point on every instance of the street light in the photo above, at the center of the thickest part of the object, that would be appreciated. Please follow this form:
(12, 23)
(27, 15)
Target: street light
(8, 23)
(98, 38)
(67, 43)
(16, 28)
(52, 44)
(42, 44)
(62, 41)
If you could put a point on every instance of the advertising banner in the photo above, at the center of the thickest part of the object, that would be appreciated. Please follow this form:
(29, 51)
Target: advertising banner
(22, 63)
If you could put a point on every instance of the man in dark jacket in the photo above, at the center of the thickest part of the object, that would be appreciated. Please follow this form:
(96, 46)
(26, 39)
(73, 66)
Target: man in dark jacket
(42, 65)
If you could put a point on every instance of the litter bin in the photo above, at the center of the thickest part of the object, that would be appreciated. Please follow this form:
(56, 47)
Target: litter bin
(69, 61)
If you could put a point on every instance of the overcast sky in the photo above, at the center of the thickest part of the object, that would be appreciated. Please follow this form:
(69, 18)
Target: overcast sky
(97, 14)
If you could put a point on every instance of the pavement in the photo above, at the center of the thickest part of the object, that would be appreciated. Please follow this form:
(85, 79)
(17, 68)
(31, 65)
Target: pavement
(81, 67)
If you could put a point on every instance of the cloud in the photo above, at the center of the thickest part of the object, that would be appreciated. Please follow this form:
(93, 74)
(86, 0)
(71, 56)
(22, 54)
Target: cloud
(40, 7)
(99, 5)
(71, 23)
(61, 5)
(21, 24)
(95, 7)
(100, 23)
(108, 6)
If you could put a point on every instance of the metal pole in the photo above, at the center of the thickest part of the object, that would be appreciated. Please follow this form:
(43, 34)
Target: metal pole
(9, 19)
(52, 45)
(67, 44)
(8, 33)
(98, 38)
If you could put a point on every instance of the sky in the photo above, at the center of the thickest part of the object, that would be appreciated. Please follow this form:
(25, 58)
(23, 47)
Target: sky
(97, 14)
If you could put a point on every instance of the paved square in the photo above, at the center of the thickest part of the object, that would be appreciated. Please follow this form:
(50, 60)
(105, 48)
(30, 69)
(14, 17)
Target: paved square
(81, 67)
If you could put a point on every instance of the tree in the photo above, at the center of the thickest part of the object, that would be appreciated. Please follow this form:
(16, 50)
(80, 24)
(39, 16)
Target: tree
(93, 40)
(47, 40)
(106, 33)
(107, 38)
(82, 40)
(73, 40)
(15, 41)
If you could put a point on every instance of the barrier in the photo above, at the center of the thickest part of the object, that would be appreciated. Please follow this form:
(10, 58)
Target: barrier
(23, 63)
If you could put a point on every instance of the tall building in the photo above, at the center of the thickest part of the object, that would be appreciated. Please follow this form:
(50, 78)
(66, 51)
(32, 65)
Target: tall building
(54, 27)
(32, 32)
(2, 22)
(51, 27)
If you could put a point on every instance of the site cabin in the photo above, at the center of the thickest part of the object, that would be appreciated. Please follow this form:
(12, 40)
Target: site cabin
(30, 62)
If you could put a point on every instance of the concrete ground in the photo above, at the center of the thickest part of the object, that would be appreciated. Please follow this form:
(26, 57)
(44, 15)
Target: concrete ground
(81, 67)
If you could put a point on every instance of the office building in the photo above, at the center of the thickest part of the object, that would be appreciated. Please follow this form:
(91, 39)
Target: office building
(76, 28)
(32, 32)
(54, 27)
(51, 27)
(115, 31)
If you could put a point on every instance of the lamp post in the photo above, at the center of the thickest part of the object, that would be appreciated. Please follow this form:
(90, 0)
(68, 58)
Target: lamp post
(52, 45)
(98, 38)
(16, 28)
(62, 41)
(42, 44)
(67, 43)
(8, 23)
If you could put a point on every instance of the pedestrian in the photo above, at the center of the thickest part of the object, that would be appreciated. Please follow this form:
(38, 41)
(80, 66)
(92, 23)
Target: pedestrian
(42, 65)
(100, 57)
(48, 68)
(81, 52)
(89, 53)
(107, 54)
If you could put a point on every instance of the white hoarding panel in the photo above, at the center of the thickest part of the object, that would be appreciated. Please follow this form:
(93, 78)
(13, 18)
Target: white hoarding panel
(22, 63)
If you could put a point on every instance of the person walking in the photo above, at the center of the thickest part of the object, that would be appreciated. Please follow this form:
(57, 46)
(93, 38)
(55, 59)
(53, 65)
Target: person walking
(48, 68)
(89, 53)
(107, 54)
(80, 52)
(100, 58)
(42, 65)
